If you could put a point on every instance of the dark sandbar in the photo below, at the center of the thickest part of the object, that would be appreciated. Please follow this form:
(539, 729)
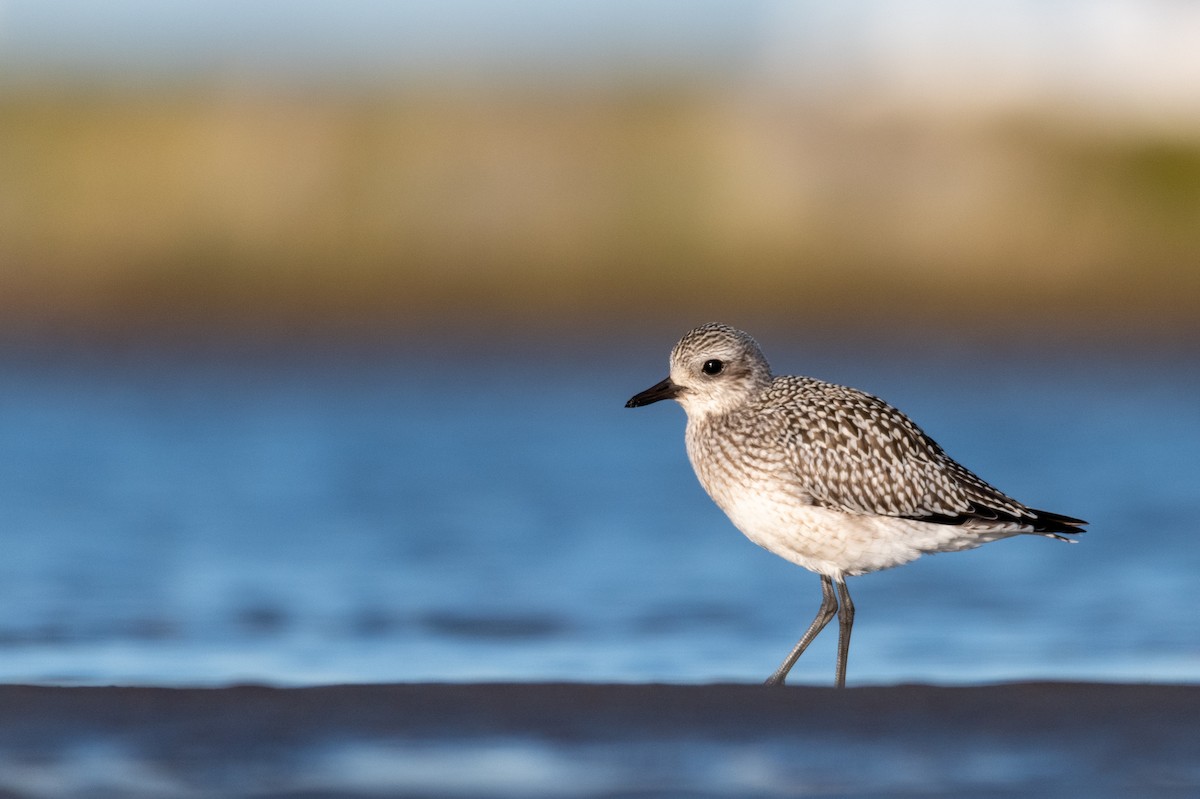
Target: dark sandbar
(1137, 713)
(1028, 739)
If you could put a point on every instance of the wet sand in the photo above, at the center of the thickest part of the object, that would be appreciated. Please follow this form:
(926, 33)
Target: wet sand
(1026, 739)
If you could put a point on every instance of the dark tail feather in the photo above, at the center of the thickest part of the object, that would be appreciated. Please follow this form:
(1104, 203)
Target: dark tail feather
(1050, 524)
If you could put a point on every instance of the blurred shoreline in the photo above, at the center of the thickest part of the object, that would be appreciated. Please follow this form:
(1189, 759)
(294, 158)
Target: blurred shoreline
(373, 213)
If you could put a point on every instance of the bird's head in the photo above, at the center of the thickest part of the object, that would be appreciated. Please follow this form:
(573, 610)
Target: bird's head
(715, 368)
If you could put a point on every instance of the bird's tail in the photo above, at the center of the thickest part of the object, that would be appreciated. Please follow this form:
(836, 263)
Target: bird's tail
(1052, 525)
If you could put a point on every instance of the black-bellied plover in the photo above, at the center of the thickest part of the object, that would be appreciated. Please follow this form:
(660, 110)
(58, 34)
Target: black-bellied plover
(828, 477)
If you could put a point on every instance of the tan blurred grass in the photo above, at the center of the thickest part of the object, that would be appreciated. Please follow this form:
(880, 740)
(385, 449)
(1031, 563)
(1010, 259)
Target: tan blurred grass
(277, 209)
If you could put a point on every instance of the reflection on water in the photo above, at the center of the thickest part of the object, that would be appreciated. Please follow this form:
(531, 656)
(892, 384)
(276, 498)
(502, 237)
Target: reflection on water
(518, 767)
(408, 517)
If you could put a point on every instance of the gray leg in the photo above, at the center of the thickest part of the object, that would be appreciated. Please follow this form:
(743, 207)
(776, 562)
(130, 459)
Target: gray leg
(829, 608)
(845, 622)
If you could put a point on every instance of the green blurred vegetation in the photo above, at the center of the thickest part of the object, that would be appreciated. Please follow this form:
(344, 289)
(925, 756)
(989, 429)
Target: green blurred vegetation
(283, 209)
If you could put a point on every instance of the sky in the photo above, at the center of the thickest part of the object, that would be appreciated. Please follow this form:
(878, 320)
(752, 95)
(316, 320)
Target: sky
(1132, 54)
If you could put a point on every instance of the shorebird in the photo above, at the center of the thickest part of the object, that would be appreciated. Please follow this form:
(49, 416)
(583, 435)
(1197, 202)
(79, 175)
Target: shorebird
(828, 477)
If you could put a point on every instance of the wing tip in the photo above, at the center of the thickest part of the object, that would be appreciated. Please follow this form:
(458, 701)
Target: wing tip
(1038, 522)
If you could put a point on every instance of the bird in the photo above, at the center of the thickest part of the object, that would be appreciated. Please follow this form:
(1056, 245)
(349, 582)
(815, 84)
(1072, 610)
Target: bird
(826, 476)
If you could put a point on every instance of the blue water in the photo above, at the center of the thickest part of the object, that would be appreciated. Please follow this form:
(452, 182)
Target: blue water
(437, 512)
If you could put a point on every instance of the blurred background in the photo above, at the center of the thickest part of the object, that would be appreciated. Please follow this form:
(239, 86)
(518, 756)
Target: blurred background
(316, 321)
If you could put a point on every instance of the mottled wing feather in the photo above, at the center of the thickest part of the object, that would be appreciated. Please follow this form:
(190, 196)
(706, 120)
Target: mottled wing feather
(854, 452)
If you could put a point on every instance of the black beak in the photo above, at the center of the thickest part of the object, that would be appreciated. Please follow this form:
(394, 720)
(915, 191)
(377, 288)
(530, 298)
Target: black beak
(659, 391)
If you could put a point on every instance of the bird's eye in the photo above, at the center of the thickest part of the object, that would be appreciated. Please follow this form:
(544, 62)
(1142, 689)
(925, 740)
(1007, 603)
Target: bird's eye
(712, 367)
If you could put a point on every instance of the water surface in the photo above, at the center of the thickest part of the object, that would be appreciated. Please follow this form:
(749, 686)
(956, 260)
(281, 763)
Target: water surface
(456, 514)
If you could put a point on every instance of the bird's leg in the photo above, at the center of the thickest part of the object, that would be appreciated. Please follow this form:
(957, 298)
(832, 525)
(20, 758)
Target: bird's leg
(845, 622)
(829, 607)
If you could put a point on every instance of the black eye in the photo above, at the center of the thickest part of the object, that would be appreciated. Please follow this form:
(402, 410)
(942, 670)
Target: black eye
(712, 367)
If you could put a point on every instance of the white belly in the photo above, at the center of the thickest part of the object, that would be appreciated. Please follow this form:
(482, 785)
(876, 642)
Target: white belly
(757, 491)
(839, 544)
